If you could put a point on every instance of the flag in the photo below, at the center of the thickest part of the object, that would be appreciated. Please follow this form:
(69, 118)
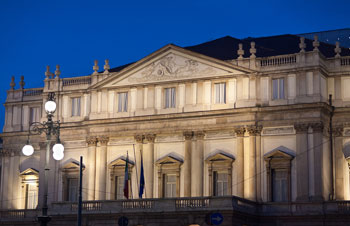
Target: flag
(142, 180)
(126, 178)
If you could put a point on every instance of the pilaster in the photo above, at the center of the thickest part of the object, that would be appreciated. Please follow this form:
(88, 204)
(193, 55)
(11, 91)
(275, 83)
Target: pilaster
(148, 160)
(302, 162)
(101, 168)
(91, 158)
(339, 161)
(138, 152)
(187, 163)
(240, 160)
(197, 162)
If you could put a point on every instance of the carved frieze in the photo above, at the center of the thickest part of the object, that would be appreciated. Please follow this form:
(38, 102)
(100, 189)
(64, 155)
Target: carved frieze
(173, 66)
(278, 130)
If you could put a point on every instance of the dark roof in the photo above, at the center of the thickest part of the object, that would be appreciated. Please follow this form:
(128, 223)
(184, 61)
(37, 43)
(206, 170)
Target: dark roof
(225, 48)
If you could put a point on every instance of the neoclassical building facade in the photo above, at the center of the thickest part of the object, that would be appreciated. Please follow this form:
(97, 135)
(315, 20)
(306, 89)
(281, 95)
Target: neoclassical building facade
(237, 126)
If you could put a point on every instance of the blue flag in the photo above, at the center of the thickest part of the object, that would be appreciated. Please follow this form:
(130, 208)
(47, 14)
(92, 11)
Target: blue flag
(142, 180)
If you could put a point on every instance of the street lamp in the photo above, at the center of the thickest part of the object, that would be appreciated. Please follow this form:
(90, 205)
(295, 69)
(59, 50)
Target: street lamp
(49, 128)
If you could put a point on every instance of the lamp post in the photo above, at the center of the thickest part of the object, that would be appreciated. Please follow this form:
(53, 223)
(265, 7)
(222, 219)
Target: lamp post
(49, 128)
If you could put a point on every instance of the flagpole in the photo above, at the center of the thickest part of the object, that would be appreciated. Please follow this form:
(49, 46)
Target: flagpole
(137, 176)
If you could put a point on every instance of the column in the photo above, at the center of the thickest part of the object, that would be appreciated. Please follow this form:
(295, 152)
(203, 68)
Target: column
(250, 193)
(240, 160)
(101, 168)
(6, 168)
(91, 167)
(318, 153)
(138, 151)
(148, 164)
(258, 162)
(197, 162)
(302, 162)
(187, 163)
(339, 162)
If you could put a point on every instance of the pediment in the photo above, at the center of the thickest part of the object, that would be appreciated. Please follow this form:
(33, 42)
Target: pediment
(71, 165)
(120, 163)
(278, 154)
(171, 63)
(169, 160)
(220, 157)
(29, 171)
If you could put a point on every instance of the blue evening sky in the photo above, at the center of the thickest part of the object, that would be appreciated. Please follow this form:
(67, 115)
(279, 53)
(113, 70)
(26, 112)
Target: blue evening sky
(74, 33)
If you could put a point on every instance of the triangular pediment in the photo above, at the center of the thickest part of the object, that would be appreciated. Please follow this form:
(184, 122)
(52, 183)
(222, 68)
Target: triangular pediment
(30, 171)
(278, 154)
(220, 157)
(168, 160)
(120, 163)
(171, 63)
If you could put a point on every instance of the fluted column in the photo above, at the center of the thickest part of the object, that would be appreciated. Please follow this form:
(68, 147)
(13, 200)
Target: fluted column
(101, 168)
(187, 163)
(240, 160)
(339, 166)
(148, 164)
(302, 162)
(138, 151)
(197, 162)
(91, 167)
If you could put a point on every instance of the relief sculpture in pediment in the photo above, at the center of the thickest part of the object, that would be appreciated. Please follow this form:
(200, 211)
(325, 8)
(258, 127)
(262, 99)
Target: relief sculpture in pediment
(173, 67)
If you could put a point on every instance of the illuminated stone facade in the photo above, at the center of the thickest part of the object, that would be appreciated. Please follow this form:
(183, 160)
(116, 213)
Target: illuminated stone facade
(253, 127)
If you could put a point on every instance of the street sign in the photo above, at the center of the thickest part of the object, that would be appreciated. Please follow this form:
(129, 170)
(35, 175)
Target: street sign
(216, 218)
(123, 221)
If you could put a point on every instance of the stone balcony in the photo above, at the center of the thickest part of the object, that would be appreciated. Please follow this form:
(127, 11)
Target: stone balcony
(174, 208)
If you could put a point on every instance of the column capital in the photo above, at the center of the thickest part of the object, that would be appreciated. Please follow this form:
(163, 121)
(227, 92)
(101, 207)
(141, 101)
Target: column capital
(301, 127)
(199, 134)
(338, 131)
(239, 131)
(188, 135)
(139, 138)
(317, 127)
(103, 140)
(5, 153)
(91, 141)
(254, 130)
(150, 138)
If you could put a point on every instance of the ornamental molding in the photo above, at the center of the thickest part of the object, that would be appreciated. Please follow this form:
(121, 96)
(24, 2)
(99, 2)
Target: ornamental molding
(254, 130)
(301, 127)
(188, 135)
(285, 130)
(139, 138)
(150, 138)
(173, 66)
(103, 140)
(239, 131)
(91, 141)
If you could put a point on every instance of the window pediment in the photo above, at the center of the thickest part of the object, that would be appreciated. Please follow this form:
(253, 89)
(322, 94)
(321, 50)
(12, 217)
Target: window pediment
(120, 163)
(220, 158)
(169, 161)
(71, 166)
(29, 171)
(278, 154)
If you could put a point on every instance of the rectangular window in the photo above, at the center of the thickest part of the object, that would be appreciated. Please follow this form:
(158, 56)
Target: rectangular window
(220, 93)
(72, 189)
(279, 185)
(76, 106)
(170, 185)
(31, 196)
(123, 102)
(278, 88)
(34, 114)
(170, 97)
(220, 183)
(119, 187)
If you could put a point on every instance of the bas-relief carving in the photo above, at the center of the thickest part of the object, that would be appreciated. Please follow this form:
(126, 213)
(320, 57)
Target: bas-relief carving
(278, 130)
(172, 67)
(346, 131)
